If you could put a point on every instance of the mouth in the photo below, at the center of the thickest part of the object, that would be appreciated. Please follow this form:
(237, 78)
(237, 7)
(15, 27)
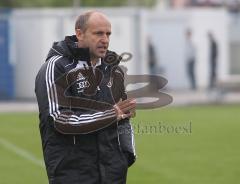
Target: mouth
(102, 48)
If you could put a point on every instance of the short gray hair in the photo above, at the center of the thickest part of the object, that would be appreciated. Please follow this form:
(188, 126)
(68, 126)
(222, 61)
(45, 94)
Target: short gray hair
(82, 20)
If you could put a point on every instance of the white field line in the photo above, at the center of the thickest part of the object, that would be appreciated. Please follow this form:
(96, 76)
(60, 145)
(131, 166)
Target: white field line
(21, 152)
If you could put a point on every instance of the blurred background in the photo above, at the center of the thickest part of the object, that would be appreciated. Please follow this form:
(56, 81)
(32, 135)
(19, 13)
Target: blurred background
(154, 31)
(194, 44)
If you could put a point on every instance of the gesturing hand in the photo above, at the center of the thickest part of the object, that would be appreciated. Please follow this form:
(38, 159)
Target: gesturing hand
(125, 109)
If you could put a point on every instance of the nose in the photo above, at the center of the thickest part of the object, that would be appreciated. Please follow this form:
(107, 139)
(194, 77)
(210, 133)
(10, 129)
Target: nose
(105, 39)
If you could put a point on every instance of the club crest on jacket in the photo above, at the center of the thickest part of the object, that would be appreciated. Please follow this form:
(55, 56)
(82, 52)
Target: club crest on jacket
(82, 83)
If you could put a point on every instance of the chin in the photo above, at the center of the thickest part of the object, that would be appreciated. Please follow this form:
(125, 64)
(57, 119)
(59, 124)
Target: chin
(102, 55)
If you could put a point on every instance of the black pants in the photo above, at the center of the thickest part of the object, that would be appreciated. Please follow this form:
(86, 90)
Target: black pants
(191, 73)
(212, 80)
(78, 164)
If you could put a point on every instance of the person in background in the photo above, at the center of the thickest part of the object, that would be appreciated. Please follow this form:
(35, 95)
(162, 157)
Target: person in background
(190, 55)
(213, 54)
(152, 60)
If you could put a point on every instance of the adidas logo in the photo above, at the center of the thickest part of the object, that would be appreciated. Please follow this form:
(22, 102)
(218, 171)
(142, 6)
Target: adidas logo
(80, 76)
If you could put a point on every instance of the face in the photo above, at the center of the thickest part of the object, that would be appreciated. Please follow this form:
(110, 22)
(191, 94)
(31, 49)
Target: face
(96, 37)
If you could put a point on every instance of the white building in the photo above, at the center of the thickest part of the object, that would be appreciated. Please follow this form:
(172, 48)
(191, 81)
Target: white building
(34, 30)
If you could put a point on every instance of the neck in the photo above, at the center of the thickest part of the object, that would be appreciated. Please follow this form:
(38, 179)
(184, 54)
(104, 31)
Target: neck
(94, 62)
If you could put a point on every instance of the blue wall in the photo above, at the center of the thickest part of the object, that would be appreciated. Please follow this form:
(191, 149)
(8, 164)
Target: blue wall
(6, 70)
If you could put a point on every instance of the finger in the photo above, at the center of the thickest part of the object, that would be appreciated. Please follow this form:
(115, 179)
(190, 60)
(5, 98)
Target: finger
(126, 101)
(118, 112)
(123, 116)
(128, 107)
(124, 104)
(119, 117)
(128, 115)
(116, 107)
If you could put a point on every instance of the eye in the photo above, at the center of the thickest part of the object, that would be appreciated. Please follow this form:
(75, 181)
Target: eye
(99, 33)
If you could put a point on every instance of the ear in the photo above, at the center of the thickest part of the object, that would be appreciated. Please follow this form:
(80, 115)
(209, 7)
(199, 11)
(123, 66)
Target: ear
(79, 34)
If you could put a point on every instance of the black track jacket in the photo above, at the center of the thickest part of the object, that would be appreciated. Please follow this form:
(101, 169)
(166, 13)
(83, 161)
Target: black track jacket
(81, 139)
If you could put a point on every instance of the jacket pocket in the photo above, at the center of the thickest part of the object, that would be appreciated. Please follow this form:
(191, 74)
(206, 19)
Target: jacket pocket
(55, 156)
(127, 142)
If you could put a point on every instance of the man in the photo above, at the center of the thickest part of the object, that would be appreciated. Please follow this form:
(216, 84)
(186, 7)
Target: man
(190, 58)
(213, 60)
(83, 110)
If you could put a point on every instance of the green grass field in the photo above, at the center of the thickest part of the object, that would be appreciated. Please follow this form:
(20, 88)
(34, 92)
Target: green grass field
(181, 145)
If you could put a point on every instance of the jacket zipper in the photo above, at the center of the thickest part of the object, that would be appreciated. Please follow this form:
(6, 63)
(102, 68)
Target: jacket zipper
(119, 144)
(74, 140)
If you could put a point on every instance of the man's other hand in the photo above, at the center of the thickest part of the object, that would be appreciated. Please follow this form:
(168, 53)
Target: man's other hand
(125, 109)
